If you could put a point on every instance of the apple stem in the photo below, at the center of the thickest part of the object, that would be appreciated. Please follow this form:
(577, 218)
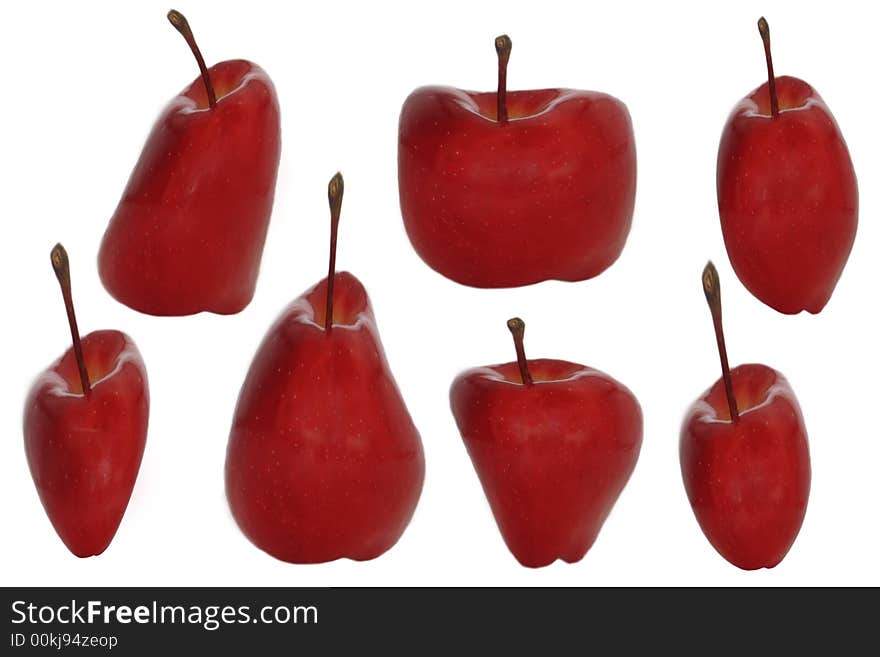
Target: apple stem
(764, 29)
(61, 265)
(712, 289)
(518, 330)
(503, 45)
(334, 194)
(180, 23)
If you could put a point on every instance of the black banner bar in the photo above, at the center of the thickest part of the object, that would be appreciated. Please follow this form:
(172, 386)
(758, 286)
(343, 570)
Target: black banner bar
(146, 621)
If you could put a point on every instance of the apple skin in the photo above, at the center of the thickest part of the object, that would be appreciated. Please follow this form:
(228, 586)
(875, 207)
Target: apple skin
(748, 482)
(324, 460)
(549, 195)
(84, 453)
(188, 233)
(787, 197)
(552, 457)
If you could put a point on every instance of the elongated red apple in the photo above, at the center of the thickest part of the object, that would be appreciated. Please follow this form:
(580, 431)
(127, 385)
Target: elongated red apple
(188, 233)
(85, 426)
(787, 193)
(553, 443)
(512, 188)
(323, 460)
(744, 457)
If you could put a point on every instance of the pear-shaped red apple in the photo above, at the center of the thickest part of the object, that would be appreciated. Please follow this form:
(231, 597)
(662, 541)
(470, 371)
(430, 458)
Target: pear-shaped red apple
(85, 427)
(744, 457)
(787, 193)
(324, 460)
(512, 188)
(553, 444)
(188, 233)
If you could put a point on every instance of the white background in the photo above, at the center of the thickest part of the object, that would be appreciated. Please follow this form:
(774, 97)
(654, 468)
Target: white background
(83, 83)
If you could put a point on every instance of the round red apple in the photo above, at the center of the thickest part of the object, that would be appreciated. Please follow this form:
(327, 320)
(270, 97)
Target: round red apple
(508, 189)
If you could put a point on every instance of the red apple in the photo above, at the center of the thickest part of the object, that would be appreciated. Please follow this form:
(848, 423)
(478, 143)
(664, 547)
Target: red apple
(553, 444)
(188, 233)
(787, 193)
(745, 459)
(323, 460)
(509, 189)
(85, 426)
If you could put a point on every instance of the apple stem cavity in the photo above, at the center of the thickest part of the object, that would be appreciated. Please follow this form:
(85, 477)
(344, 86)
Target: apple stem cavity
(712, 289)
(61, 265)
(503, 45)
(518, 330)
(764, 29)
(334, 194)
(180, 23)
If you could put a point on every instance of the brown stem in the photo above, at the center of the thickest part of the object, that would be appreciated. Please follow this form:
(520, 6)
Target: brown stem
(503, 45)
(518, 329)
(180, 23)
(334, 194)
(712, 289)
(61, 265)
(764, 29)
